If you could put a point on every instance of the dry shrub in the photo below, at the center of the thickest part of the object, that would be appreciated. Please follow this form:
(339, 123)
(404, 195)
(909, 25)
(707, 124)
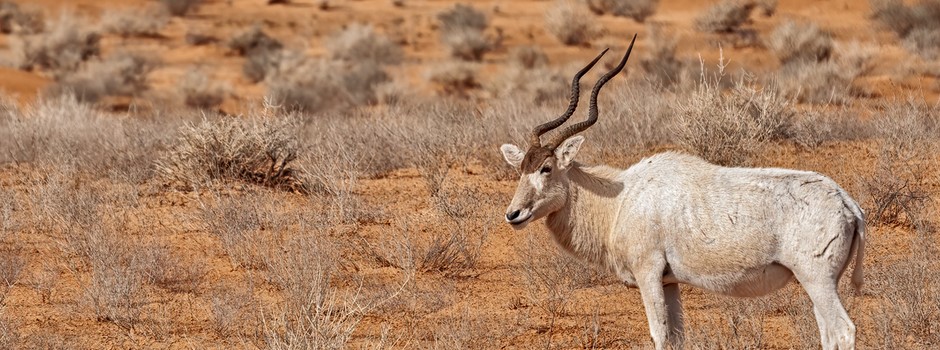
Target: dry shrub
(528, 57)
(571, 24)
(238, 224)
(454, 78)
(233, 310)
(315, 85)
(830, 81)
(908, 312)
(738, 323)
(360, 43)
(800, 42)
(12, 264)
(199, 38)
(316, 314)
(169, 270)
(462, 17)
(123, 74)
(728, 129)
(65, 133)
(61, 49)
(899, 189)
(92, 225)
(200, 91)
(138, 22)
(252, 40)
(550, 277)
(9, 337)
(540, 85)
(639, 10)
(767, 7)
(180, 7)
(661, 65)
(467, 44)
(724, 17)
(918, 25)
(462, 32)
(253, 150)
(14, 20)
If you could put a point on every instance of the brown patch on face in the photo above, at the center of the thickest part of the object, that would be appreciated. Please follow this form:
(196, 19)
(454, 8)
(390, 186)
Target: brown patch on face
(534, 158)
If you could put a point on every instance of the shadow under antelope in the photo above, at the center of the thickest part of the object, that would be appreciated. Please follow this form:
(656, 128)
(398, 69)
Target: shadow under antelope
(675, 218)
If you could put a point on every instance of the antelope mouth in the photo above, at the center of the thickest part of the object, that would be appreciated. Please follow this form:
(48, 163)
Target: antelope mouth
(521, 221)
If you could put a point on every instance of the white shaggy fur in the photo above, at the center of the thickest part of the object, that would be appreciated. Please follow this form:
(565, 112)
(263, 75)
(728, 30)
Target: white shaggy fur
(675, 218)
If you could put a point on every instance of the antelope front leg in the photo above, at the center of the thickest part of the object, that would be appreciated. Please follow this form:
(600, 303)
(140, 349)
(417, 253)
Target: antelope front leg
(651, 290)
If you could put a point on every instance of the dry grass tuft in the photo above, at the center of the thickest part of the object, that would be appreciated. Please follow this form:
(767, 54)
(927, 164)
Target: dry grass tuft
(661, 65)
(14, 20)
(728, 129)
(724, 17)
(571, 24)
(528, 57)
(253, 40)
(830, 81)
(360, 43)
(316, 85)
(639, 10)
(123, 74)
(454, 78)
(462, 30)
(180, 8)
(917, 25)
(899, 189)
(131, 23)
(201, 91)
(800, 42)
(61, 49)
(253, 150)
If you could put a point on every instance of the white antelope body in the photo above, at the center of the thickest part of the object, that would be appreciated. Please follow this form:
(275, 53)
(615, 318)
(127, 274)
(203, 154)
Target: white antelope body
(675, 218)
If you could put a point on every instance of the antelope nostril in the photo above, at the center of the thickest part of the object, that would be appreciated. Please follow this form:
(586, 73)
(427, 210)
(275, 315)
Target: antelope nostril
(512, 216)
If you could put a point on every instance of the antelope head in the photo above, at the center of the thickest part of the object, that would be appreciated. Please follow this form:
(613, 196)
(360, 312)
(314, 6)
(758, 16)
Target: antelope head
(543, 181)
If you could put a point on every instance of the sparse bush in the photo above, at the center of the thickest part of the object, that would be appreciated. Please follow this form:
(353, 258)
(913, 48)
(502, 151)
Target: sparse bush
(166, 269)
(197, 38)
(230, 308)
(360, 43)
(800, 42)
(639, 10)
(467, 44)
(11, 267)
(767, 7)
(725, 16)
(122, 74)
(571, 24)
(454, 77)
(898, 189)
(14, 20)
(661, 64)
(60, 50)
(128, 23)
(199, 91)
(253, 40)
(528, 57)
(180, 7)
(316, 85)
(830, 81)
(262, 63)
(462, 17)
(316, 314)
(917, 25)
(728, 129)
(462, 32)
(253, 150)
(924, 41)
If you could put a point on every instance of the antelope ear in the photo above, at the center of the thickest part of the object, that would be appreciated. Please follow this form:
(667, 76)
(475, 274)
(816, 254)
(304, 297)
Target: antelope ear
(512, 154)
(567, 150)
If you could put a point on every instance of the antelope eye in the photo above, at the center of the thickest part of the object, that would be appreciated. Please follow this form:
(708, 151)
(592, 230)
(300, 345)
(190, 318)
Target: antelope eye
(545, 170)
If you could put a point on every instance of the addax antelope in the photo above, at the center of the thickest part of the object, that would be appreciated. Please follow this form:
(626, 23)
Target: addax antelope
(675, 218)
